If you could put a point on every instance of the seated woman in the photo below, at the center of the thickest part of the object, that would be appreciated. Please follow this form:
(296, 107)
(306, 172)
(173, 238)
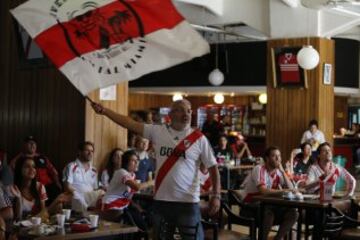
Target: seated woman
(324, 168)
(113, 164)
(223, 151)
(303, 160)
(30, 195)
(121, 188)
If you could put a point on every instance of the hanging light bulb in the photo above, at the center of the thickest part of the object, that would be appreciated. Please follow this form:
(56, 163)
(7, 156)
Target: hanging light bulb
(219, 98)
(176, 97)
(216, 77)
(308, 58)
(263, 98)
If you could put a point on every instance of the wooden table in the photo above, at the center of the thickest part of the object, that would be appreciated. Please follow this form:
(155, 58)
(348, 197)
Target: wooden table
(228, 168)
(307, 205)
(105, 229)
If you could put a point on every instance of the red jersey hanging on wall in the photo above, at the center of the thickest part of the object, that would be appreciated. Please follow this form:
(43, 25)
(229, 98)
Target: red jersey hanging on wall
(289, 68)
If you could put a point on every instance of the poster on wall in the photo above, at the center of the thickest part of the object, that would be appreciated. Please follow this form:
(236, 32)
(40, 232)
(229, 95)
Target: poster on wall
(327, 74)
(285, 68)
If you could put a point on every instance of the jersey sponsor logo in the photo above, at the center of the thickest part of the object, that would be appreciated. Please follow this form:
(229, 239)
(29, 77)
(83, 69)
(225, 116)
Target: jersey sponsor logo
(167, 151)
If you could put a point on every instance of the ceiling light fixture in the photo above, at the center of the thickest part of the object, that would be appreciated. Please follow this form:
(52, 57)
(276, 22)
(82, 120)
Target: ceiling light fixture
(176, 97)
(308, 58)
(219, 98)
(263, 98)
(216, 77)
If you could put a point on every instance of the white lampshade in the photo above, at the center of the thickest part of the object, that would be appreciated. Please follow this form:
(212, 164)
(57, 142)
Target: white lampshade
(263, 98)
(216, 77)
(177, 96)
(219, 98)
(308, 58)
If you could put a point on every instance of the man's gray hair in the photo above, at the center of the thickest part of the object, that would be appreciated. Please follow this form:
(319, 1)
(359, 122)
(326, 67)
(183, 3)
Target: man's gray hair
(181, 101)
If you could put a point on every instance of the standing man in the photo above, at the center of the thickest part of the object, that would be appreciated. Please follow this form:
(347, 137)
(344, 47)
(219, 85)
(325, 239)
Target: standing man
(179, 150)
(146, 164)
(80, 179)
(313, 135)
(213, 129)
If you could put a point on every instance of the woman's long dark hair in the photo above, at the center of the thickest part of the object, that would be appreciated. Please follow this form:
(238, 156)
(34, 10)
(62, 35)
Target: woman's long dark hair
(19, 180)
(126, 158)
(110, 164)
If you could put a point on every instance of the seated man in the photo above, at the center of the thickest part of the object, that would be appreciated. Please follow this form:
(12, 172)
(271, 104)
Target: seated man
(324, 168)
(270, 179)
(80, 179)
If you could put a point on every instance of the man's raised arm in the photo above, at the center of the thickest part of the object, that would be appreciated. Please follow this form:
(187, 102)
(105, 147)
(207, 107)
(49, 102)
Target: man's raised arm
(120, 119)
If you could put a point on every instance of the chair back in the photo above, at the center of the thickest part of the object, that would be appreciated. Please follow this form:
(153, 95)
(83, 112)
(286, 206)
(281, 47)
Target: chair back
(239, 220)
(333, 223)
(176, 232)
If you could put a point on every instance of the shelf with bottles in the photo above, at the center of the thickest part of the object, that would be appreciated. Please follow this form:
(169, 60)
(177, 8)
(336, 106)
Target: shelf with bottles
(231, 116)
(257, 120)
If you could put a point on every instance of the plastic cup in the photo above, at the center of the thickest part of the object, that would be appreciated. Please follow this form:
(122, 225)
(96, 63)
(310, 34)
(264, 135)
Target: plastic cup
(60, 219)
(36, 220)
(94, 220)
(67, 213)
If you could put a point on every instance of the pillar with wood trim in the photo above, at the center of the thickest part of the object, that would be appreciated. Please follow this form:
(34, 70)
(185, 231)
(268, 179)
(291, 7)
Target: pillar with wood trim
(289, 110)
(104, 133)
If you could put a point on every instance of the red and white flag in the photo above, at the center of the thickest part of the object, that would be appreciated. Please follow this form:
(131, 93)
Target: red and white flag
(97, 43)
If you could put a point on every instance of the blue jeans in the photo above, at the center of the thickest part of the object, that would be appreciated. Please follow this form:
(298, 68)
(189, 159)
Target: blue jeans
(177, 214)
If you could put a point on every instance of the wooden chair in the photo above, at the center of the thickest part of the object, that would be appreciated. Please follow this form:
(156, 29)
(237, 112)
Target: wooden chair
(173, 232)
(229, 234)
(334, 222)
(351, 228)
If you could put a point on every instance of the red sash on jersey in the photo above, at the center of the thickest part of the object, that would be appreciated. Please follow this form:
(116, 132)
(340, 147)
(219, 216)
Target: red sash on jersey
(171, 160)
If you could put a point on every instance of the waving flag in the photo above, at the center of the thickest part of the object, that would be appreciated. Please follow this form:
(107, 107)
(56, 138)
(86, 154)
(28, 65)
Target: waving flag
(97, 43)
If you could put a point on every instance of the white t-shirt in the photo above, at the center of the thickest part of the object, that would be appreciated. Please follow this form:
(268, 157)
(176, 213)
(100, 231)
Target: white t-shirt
(260, 176)
(181, 183)
(317, 135)
(80, 179)
(315, 172)
(28, 205)
(119, 194)
(105, 179)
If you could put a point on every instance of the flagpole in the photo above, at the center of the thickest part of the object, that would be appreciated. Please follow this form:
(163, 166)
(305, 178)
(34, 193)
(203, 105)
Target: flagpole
(89, 99)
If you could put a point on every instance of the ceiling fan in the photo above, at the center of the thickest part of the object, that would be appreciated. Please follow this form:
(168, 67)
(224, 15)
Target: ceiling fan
(319, 4)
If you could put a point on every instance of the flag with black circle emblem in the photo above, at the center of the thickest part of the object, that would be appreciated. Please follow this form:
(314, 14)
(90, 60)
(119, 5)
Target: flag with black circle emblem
(98, 43)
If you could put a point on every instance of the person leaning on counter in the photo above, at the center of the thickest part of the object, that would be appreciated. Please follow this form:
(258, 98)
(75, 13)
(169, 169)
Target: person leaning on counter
(324, 168)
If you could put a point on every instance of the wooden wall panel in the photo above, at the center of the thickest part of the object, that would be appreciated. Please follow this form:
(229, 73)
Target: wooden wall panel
(36, 101)
(146, 101)
(105, 134)
(289, 110)
(340, 113)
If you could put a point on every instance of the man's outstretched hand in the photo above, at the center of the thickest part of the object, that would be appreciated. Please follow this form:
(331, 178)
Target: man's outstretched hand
(98, 108)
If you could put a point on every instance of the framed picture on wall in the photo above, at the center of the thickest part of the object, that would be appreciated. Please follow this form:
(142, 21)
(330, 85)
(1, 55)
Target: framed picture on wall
(327, 73)
(285, 68)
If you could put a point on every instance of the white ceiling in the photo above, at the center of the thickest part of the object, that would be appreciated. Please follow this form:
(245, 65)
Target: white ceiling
(244, 20)
(254, 20)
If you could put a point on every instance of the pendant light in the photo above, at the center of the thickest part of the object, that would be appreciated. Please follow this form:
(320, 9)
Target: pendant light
(216, 77)
(308, 58)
